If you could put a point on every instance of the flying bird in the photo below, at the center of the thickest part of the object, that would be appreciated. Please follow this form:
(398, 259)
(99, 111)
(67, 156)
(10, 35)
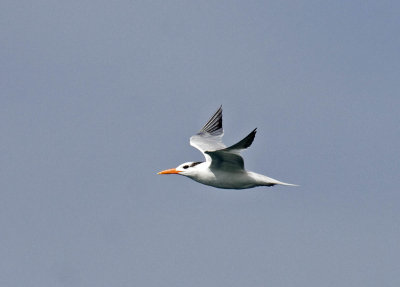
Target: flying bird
(223, 167)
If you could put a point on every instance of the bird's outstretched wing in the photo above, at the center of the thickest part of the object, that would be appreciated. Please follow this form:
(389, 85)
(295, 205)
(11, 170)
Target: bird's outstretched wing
(209, 138)
(229, 158)
(209, 141)
(243, 144)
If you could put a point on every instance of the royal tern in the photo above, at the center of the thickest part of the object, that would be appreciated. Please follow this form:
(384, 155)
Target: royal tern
(224, 167)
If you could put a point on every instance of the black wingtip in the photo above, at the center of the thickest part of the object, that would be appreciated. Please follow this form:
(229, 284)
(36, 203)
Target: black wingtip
(214, 124)
(250, 138)
(244, 143)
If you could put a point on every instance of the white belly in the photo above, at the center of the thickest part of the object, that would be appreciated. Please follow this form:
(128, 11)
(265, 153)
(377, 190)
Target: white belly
(229, 180)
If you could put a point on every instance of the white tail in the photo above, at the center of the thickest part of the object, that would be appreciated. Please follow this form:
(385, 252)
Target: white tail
(268, 181)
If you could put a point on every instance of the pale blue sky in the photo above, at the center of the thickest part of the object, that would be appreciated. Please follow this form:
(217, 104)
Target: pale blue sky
(96, 97)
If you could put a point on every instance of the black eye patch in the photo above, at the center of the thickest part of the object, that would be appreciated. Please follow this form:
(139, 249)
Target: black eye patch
(185, 166)
(195, 163)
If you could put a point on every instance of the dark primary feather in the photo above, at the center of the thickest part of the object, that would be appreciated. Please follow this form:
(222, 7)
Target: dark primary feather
(244, 143)
(214, 124)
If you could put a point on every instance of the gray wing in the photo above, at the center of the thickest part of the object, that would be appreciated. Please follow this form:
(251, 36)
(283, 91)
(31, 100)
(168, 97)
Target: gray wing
(209, 141)
(209, 138)
(244, 143)
(229, 158)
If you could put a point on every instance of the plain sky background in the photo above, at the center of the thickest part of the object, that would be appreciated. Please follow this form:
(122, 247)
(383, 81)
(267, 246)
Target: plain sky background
(98, 96)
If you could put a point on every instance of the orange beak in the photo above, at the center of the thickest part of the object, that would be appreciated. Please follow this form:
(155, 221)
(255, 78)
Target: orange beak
(169, 171)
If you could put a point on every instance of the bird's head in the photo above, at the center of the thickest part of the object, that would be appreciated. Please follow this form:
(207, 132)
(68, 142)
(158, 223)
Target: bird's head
(186, 169)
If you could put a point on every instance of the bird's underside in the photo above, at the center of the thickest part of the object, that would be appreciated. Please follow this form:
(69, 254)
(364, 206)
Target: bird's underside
(234, 180)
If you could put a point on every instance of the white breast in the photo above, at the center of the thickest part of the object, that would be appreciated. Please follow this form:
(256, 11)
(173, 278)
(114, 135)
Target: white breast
(222, 179)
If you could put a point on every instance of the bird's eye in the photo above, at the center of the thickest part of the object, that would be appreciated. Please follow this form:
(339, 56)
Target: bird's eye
(185, 166)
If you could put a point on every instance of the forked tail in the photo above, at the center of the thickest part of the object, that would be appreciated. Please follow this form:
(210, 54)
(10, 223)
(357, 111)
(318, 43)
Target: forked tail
(268, 181)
